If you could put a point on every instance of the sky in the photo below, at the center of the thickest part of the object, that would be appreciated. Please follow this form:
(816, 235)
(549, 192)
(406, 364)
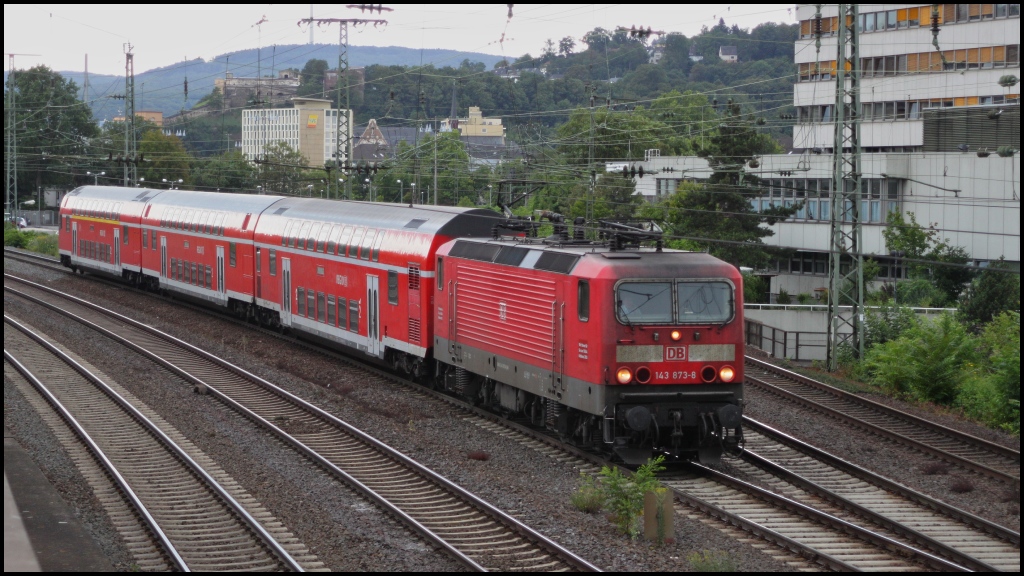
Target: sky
(60, 36)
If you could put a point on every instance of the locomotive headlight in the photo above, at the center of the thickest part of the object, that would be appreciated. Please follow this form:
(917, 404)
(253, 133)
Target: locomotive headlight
(676, 335)
(624, 375)
(727, 374)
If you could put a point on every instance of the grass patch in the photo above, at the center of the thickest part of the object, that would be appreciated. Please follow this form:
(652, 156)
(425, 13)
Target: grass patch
(39, 242)
(708, 561)
(588, 498)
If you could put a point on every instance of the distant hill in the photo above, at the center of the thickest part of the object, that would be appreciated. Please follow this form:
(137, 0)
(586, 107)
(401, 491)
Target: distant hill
(163, 88)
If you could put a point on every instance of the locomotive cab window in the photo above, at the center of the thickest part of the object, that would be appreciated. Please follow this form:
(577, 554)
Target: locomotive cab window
(583, 300)
(644, 302)
(705, 302)
(440, 274)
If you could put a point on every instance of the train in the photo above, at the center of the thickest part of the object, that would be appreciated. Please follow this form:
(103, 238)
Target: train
(614, 342)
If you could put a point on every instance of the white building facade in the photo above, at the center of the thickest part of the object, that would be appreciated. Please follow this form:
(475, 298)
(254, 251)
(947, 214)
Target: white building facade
(309, 127)
(929, 133)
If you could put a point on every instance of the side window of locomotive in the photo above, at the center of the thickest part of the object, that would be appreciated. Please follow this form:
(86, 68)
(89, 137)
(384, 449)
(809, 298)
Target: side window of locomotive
(705, 302)
(440, 274)
(233, 249)
(392, 287)
(583, 300)
(644, 302)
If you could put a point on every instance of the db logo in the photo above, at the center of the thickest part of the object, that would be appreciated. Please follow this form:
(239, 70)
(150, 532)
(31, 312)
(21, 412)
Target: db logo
(675, 353)
(502, 311)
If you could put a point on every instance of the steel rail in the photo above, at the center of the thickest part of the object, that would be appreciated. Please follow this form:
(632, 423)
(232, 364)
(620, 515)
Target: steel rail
(889, 412)
(236, 507)
(510, 523)
(104, 461)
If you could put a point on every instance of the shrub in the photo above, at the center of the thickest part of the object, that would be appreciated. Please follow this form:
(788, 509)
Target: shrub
(920, 292)
(887, 323)
(783, 297)
(588, 497)
(624, 496)
(707, 561)
(926, 363)
(14, 238)
(803, 298)
(44, 244)
(993, 292)
(754, 289)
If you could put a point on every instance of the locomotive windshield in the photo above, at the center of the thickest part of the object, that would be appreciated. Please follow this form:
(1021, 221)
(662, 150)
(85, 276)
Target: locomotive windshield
(674, 302)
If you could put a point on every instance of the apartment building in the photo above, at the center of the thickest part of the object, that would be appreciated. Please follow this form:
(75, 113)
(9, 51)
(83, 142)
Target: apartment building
(940, 134)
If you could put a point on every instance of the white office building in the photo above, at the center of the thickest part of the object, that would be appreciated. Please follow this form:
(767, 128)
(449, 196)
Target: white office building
(933, 124)
(309, 127)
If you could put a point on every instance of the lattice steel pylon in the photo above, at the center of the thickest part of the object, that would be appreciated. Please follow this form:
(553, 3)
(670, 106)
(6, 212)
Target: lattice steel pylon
(130, 144)
(11, 152)
(846, 264)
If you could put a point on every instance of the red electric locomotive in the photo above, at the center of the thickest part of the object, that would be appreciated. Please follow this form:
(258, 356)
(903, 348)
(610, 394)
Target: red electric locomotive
(639, 349)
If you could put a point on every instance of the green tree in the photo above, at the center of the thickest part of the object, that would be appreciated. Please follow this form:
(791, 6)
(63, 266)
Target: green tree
(284, 170)
(721, 209)
(228, 172)
(311, 80)
(994, 291)
(565, 46)
(166, 159)
(53, 128)
(910, 238)
(950, 273)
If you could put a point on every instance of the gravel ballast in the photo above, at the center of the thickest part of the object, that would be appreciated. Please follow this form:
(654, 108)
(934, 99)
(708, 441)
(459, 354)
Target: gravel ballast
(343, 530)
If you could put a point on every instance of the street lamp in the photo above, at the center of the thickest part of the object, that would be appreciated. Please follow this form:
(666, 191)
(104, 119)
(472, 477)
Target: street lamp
(96, 177)
(401, 191)
(412, 193)
(259, 189)
(369, 189)
(141, 182)
(310, 188)
(490, 195)
(172, 183)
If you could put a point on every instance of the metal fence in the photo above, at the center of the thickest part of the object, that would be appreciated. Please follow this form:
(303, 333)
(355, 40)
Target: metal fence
(786, 344)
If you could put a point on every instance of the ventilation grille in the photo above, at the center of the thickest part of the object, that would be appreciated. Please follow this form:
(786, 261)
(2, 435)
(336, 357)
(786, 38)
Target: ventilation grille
(280, 211)
(414, 277)
(414, 331)
(414, 224)
(475, 251)
(555, 262)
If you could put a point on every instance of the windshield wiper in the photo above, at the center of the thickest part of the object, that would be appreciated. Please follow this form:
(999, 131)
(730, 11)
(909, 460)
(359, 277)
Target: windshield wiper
(625, 315)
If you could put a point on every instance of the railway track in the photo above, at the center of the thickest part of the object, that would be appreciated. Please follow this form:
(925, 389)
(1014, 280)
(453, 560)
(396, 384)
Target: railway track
(792, 468)
(198, 524)
(820, 538)
(955, 447)
(473, 531)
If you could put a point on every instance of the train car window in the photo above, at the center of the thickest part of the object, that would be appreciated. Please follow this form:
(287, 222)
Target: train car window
(193, 277)
(204, 224)
(310, 304)
(202, 276)
(331, 310)
(353, 245)
(300, 296)
(321, 307)
(332, 240)
(220, 224)
(303, 234)
(440, 274)
(233, 249)
(145, 239)
(342, 313)
(311, 239)
(364, 252)
(321, 239)
(353, 315)
(346, 236)
(583, 300)
(392, 287)
(209, 277)
(152, 238)
(124, 232)
(287, 231)
(644, 303)
(705, 302)
(259, 258)
(376, 245)
(272, 257)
